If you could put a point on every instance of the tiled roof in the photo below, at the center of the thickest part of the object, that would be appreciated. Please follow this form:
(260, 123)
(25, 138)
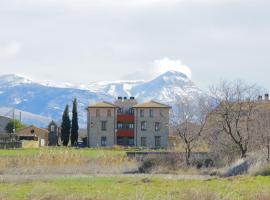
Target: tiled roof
(103, 104)
(151, 104)
(23, 130)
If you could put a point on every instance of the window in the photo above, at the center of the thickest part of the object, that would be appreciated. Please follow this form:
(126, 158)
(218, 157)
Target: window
(119, 110)
(131, 126)
(143, 126)
(151, 113)
(120, 125)
(103, 125)
(157, 141)
(52, 128)
(131, 111)
(143, 141)
(97, 113)
(141, 113)
(103, 141)
(160, 113)
(157, 126)
(109, 113)
(130, 141)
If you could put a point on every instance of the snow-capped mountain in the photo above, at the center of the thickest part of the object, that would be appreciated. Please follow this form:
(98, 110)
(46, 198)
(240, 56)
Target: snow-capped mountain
(48, 99)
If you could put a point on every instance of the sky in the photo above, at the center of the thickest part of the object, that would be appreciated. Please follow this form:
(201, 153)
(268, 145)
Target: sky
(95, 40)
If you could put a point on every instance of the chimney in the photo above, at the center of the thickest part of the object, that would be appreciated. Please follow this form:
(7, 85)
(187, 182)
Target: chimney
(260, 98)
(266, 97)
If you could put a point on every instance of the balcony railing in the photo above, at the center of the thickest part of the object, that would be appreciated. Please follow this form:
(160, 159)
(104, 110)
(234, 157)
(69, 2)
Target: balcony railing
(125, 132)
(125, 118)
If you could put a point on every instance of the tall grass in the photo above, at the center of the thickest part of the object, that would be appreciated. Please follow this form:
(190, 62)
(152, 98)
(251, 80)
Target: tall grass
(65, 161)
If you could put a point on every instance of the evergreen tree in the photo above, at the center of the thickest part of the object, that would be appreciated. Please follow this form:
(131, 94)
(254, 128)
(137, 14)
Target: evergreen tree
(74, 126)
(65, 127)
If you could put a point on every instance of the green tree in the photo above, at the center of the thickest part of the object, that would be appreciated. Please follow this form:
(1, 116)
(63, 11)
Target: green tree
(65, 127)
(18, 125)
(74, 126)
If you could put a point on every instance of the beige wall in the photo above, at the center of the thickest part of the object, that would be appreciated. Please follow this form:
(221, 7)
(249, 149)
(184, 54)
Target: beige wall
(94, 126)
(150, 133)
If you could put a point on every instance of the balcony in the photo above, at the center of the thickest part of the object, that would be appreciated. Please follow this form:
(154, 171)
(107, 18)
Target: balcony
(125, 118)
(125, 133)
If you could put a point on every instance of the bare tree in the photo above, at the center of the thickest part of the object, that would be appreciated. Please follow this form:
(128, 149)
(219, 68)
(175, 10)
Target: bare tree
(189, 122)
(236, 105)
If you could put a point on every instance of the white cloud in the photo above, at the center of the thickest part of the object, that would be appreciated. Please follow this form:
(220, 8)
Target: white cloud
(9, 49)
(167, 64)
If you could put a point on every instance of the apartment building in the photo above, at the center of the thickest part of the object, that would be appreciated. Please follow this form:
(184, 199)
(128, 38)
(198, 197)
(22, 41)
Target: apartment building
(128, 123)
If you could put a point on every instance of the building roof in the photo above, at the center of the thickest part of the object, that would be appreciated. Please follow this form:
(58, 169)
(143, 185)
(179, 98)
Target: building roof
(29, 128)
(151, 104)
(103, 104)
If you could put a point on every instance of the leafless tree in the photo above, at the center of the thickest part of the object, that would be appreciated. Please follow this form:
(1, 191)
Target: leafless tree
(233, 117)
(189, 122)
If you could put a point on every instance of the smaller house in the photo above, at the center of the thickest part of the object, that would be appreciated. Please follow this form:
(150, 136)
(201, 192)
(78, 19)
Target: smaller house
(35, 134)
(54, 134)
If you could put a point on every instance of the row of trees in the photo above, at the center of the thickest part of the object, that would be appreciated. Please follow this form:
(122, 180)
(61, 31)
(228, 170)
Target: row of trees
(69, 128)
(231, 120)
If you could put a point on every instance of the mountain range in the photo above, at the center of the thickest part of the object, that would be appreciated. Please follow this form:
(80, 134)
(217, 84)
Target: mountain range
(41, 101)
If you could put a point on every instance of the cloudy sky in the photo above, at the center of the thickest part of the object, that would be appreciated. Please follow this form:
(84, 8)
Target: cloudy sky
(92, 40)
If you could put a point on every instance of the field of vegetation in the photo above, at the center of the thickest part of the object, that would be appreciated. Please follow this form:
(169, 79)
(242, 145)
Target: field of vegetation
(65, 161)
(137, 188)
(107, 174)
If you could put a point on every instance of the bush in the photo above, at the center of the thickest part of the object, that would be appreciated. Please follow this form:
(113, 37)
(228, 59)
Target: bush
(262, 171)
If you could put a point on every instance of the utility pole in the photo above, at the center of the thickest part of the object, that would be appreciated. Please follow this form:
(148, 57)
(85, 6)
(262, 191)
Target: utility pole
(14, 126)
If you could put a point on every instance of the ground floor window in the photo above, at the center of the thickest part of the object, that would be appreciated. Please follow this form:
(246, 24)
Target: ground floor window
(143, 141)
(125, 141)
(103, 141)
(130, 141)
(157, 141)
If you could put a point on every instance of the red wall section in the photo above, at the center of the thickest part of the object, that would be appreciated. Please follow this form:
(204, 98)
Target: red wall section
(125, 118)
(125, 133)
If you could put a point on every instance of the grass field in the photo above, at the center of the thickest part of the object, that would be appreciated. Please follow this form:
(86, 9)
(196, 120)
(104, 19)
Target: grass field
(139, 188)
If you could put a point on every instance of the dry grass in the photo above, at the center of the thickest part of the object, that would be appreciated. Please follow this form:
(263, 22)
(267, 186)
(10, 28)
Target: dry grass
(65, 161)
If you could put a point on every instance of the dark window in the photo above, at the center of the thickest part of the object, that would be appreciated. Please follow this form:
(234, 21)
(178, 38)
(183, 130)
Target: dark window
(103, 141)
(130, 141)
(143, 141)
(97, 113)
(161, 113)
(143, 126)
(109, 113)
(131, 111)
(103, 125)
(157, 141)
(151, 113)
(141, 113)
(157, 126)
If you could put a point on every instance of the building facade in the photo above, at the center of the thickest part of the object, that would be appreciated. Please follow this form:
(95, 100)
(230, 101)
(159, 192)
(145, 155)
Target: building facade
(54, 134)
(34, 133)
(127, 123)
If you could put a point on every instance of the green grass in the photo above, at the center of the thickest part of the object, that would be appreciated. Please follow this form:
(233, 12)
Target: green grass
(120, 188)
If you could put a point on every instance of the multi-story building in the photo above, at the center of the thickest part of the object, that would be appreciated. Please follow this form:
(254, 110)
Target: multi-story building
(127, 123)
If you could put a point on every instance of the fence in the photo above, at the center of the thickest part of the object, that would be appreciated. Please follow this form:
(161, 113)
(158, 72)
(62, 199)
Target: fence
(10, 145)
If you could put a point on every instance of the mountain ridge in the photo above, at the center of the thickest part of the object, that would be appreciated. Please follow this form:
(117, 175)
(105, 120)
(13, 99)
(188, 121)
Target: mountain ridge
(49, 100)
